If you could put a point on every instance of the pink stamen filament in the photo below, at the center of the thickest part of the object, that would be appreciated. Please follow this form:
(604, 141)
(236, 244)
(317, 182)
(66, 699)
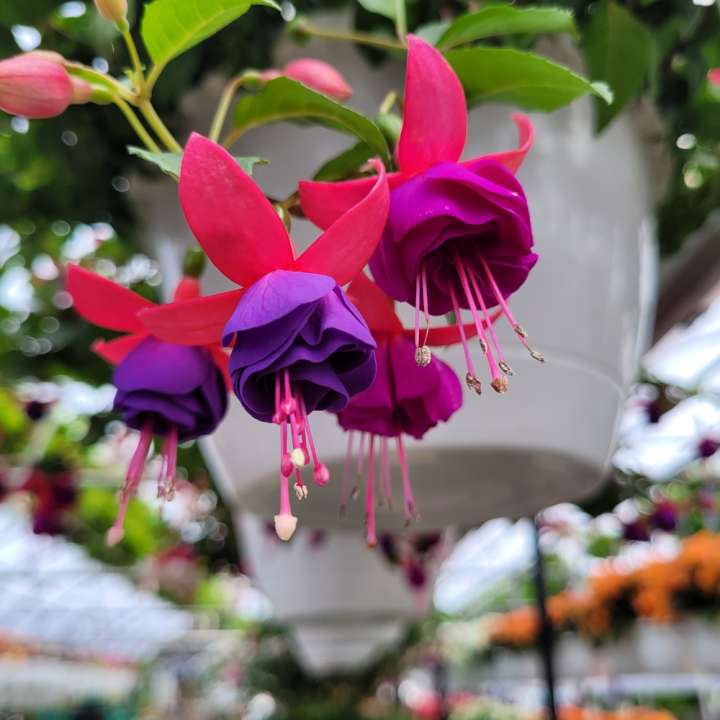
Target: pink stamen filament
(461, 329)
(417, 311)
(294, 425)
(408, 499)
(426, 311)
(385, 476)
(370, 495)
(132, 480)
(308, 431)
(488, 319)
(169, 454)
(345, 484)
(492, 364)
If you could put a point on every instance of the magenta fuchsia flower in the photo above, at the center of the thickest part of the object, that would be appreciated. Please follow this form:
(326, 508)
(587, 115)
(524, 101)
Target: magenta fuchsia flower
(36, 85)
(298, 344)
(317, 75)
(404, 399)
(173, 391)
(458, 233)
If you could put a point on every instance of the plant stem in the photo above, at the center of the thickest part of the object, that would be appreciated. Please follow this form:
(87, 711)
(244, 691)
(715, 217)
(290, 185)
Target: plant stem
(159, 127)
(137, 126)
(231, 138)
(400, 20)
(356, 37)
(102, 80)
(225, 101)
(136, 62)
(152, 78)
(388, 102)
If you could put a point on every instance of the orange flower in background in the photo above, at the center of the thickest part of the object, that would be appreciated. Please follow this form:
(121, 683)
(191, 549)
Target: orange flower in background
(518, 628)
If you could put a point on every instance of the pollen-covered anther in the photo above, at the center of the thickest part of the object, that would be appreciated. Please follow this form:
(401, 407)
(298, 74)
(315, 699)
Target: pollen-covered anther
(473, 383)
(423, 356)
(520, 330)
(500, 385)
(537, 355)
(506, 368)
(298, 457)
(483, 347)
(301, 491)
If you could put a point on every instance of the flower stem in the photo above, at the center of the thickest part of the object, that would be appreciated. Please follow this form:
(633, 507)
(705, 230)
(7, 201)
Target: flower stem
(400, 20)
(159, 127)
(225, 101)
(387, 104)
(356, 37)
(136, 62)
(136, 125)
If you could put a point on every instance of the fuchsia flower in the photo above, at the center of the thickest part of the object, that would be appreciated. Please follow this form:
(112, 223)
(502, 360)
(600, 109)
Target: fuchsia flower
(458, 233)
(317, 75)
(170, 390)
(298, 343)
(36, 85)
(404, 399)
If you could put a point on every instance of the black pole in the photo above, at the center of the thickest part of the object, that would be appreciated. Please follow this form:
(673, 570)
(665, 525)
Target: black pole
(440, 681)
(545, 636)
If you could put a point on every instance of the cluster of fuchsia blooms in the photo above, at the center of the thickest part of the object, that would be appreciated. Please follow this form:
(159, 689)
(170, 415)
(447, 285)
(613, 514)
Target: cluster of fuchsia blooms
(441, 233)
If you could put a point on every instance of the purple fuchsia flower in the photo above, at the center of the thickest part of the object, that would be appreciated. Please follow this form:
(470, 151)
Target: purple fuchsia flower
(176, 392)
(404, 399)
(298, 343)
(458, 233)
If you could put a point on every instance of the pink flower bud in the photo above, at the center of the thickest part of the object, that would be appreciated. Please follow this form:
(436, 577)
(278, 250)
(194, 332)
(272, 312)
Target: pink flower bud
(319, 76)
(81, 91)
(714, 76)
(112, 10)
(34, 85)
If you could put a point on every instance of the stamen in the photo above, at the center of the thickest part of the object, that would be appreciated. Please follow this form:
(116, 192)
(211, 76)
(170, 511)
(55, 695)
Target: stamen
(132, 480)
(370, 495)
(289, 407)
(423, 354)
(169, 452)
(519, 330)
(360, 466)
(502, 364)
(471, 378)
(321, 475)
(345, 484)
(385, 475)
(301, 489)
(285, 521)
(286, 466)
(497, 378)
(408, 499)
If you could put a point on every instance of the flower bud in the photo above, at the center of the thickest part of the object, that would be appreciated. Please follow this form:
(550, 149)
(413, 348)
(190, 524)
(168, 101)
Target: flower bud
(35, 85)
(113, 10)
(714, 76)
(319, 76)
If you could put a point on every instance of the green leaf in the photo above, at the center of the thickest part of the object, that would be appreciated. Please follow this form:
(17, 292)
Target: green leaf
(169, 162)
(345, 164)
(520, 78)
(171, 27)
(285, 99)
(618, 48)
(386, 8)
(431, 32)
(495, 20)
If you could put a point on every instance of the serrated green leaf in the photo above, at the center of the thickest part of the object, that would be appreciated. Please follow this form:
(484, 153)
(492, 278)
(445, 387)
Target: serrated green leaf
(169, 162)
(496, 20)
(285, 99)
(520, 78)
(171, 27)
(618, 48)
(344, 165)
(386, 8)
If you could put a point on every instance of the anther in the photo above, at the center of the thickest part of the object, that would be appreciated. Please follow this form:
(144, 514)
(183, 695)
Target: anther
(355, 492)
(301, 491)
(423, 356)
(506, 368)
(473, 383)
(520, 330)
(500, 385)
(298, 457)
(483, 347)
(537, 355)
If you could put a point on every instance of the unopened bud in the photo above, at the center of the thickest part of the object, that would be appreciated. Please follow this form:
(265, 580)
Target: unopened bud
(319, 76)
(194, 262)
(82, 91)
(113, 10)
(35, 85)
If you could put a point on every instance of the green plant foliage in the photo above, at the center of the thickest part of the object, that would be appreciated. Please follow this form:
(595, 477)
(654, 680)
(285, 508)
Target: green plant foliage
(170, 28)
(618, 49)
(285, 99)
(169, 162)
(521, 78)
(497, 20)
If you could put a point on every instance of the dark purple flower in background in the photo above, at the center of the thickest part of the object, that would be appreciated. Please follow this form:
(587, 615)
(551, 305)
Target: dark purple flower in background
(707, 448)
(636, 530)
(298, 345)
(664, 516)
(173, 391)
